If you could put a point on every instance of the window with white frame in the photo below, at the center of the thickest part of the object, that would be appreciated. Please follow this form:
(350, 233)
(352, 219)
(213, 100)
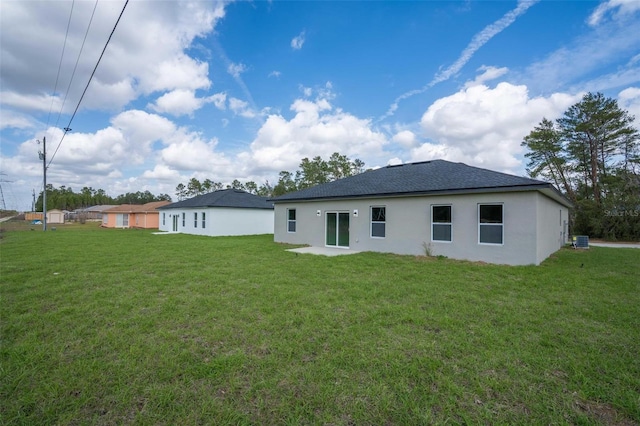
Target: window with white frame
(195, 220)
(204, 221)
(378, 221)
(163, 218)
(184, 216)
(441, 223)
(490, 224)
(291, 220)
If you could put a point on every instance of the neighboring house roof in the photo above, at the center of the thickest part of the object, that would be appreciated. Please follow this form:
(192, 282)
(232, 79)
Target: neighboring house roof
(234, 198)
(423, 178)
(138, 208)
(97, 209)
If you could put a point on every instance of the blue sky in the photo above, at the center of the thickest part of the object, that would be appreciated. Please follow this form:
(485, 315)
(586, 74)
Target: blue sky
(243, 90)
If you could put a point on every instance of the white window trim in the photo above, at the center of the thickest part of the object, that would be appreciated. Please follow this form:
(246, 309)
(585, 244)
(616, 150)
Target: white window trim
(490, 224)
(442, 223)
(195, 220)
(204, 220)
(371, 222)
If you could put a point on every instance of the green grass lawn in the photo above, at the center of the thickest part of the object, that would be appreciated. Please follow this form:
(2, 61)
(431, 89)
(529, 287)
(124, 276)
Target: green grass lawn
(103, 326)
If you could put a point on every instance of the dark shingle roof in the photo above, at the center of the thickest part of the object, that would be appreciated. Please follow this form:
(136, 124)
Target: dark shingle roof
(224, 198)
(428, 177)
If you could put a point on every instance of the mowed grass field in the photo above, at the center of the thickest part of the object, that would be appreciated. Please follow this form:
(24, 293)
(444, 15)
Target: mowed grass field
(102, 326)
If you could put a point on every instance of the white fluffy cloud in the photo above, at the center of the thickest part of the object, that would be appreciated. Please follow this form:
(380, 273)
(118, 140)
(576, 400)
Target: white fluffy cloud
(617, 8)
(162, 172)
(179, 72)
(130, 142)
(629, 99)
(241, 108)
(405, 138)
(21, 101)
(219, 100)
(236, 69)
(14, 120)
(315, 129)
(591, 62)
(298, 41)
(145, 55)
(178, 102)
(184, 102)
(484, 126)
(488, 74)
(193, 153)
(143, 128)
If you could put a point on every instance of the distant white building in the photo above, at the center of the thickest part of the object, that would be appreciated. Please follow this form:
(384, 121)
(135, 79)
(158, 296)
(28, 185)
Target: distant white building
(225, 212)
(55, 216)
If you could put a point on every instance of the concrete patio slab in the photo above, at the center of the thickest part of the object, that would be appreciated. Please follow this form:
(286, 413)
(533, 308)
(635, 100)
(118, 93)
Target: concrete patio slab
(323, 251)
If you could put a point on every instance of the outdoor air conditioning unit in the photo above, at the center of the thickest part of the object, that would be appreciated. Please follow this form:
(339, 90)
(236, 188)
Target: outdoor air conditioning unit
(581, 241)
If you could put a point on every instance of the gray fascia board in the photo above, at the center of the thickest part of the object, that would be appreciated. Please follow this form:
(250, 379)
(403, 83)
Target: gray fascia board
(213, 207)
(517, 188)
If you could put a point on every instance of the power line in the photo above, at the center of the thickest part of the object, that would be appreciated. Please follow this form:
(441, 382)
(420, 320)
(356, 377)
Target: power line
(68, 128)
(64, 45)
(77, 61)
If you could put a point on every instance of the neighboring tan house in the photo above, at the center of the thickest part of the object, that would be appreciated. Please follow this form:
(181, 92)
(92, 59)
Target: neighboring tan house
(55, 216)
(436, 207)
(218, 213)
(133, 215)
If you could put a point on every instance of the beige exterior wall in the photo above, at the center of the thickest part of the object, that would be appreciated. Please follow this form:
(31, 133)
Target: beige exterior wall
(408, 226)
(552, 219)
(109, 220)
(145, 220)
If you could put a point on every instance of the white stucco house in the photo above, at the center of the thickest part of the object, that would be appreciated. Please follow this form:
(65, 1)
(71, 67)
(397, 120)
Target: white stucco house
(450, 209)
(219, 213)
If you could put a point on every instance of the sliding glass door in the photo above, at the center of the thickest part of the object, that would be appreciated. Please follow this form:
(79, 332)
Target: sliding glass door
(337, 229)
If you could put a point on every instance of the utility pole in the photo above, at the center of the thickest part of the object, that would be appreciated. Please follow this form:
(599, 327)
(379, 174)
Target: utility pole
(2, 180)
(4, 206)
(43, 157)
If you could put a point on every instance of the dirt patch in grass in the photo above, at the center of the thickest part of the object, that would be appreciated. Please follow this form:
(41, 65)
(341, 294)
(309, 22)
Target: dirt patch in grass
(603, 413)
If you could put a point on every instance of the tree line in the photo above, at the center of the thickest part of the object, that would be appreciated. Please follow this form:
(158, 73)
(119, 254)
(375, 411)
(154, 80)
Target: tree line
(311, 172)
(592, 155)
(64, 198)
